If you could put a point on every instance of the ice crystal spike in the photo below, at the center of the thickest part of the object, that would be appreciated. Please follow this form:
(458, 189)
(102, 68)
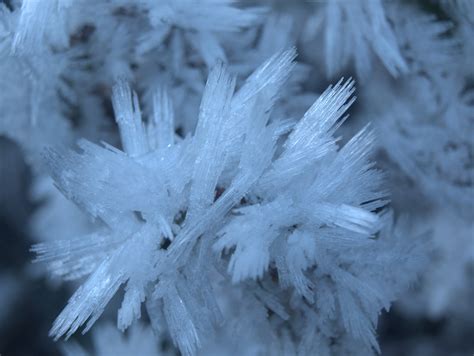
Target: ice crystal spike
(129, 120)
(163, 119)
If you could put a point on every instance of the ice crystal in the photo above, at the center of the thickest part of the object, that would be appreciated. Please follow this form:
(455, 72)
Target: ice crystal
(292, 215)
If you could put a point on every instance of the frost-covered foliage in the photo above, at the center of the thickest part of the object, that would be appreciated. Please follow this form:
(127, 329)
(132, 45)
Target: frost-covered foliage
(354, 32)
(220, 188)
(29, 88)
(427, 122)
(290, 214)
(56, 55)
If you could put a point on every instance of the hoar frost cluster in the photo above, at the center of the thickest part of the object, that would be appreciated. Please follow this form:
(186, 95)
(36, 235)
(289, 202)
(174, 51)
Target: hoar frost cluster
(271, 212)
(238, 206)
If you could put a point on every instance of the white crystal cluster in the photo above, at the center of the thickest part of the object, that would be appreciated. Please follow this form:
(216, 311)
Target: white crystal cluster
(233, 200)
(274, 211)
